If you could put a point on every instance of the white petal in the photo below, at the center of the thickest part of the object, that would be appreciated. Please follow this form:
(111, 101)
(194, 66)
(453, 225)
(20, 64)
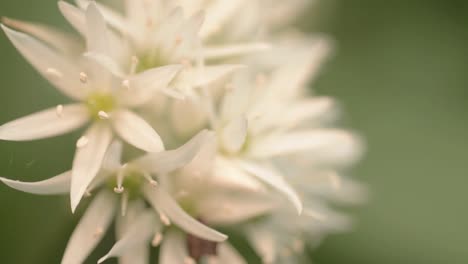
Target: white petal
(113, 157)
(232, 208)
(210, 74)
(143, 86)
(44, 124)
(275, 180)
(234, 50)
(136, 131)
(264, 244)
(321, 145)
(62, 41)
(228, 254)
(234, 134)
(227, 174)
(90, 229)
(187, 116)
(219, 13)
(138, 235)
(44, 59)
(88, 160)
(56, 185)
(173, 249)
(106, 62)
(113, 18)
(96, 30)
(74, 16)
(168, 161)
(164, 203)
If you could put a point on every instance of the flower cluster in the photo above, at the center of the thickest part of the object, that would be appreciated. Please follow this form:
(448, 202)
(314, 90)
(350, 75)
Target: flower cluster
(199, 117)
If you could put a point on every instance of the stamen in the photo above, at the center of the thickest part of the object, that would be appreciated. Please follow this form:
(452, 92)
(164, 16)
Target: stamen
(182, 194)
(124, 203)
(119, 189)
(178, 40)
(189, 260)
(150, 179)
(158, 237)
(120, 176)
(103, 115)
(54, 72)
(260, 79)
(59, 110)
(83, 77)
(134, 65)
(88, 193)
(99, 231)
(186, 63)
(82, 142)
(164, 219)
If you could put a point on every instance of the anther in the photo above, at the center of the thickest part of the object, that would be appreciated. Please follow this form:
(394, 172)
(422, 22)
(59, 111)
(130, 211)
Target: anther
(126, 84)
(83, 77)
(103, 115)
(54, 72)
(88, 193)
(134, 65)
(59, 110)
(178, 40)
(298, 245)
(186, 63)
(157, 239)
(82, 142)
(119, 189)
(164, 219)
(150, 179)
(260, 79)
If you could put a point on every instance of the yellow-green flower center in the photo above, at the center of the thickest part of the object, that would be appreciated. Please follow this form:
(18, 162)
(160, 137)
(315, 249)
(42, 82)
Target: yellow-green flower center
(132, 183)
(151, 61)
(99, 104)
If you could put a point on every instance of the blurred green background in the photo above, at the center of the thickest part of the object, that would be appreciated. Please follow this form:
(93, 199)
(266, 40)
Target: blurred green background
(400, 72)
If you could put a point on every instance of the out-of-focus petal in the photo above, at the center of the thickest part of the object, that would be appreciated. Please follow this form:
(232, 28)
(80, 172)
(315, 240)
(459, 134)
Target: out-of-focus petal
(165, 204)
(234, 135)
(113, 157)
(273, 179)
(136, 131)
(227, 51)
(173, 249)
(228, 254)
(113, 18)
(90, 229)
(47, 123)
(59, 184)
(74, 16)
(219, 14)
(88, 160)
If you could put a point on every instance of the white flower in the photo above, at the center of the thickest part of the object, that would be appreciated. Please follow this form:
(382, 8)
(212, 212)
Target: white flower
(104, 99)
(155, 35)
(133, 184)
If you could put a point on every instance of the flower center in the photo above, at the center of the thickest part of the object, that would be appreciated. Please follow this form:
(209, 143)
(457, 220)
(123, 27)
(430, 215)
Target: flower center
(100, 104)
(131, 184)
(149, 61)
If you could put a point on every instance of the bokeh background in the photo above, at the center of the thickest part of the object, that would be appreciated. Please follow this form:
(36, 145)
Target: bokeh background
(401, 73)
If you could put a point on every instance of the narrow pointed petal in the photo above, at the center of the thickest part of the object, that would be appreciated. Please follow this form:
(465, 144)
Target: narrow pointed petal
(45, 124)
(234, 134)
(113, 157)
(138, 235)
(136, 131)
(164, 203)
(165, 162)
(56, 185)
(60, 40)
(88, 160)
(45, 60)
(321, 145)
(264, 244)
(210, 74)
(107, 62)
(275, 180)
(173, 249)
(220, 13)
(234, 50)
(227, 174)
(143, 86)
(113, 18)
(90, 229)
(228, 254)
(74, 16)
(96, 30)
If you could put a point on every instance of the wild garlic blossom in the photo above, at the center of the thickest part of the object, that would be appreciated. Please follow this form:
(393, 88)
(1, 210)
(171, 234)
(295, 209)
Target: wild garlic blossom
(252, 149)
(126, 188)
